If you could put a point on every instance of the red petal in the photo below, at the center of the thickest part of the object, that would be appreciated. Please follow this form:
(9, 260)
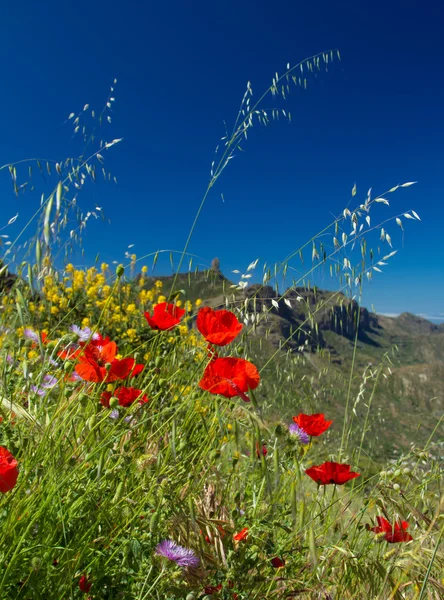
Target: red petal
(88, 372)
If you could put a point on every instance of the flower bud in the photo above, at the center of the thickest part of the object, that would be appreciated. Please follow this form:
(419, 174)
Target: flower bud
(108, 367)
(120, 270)
(113, 402)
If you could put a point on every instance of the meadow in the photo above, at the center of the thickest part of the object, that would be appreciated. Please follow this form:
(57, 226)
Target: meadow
(152, 448)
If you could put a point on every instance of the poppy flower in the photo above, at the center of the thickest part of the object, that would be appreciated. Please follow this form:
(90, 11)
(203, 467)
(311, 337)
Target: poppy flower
(125, 395)
(277, 562)
(136, 370)
(99, 363)
(219, 327)
(393, 533)
(331, 472)
(313, 425)
(212, 589)
(230, 377)
(165, 316)
(70, 352)
(260, 450)
(8, 470)
(242, 535)
(84, 584)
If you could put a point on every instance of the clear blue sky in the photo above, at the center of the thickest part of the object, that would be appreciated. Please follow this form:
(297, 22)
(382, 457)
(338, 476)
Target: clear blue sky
(375, 118)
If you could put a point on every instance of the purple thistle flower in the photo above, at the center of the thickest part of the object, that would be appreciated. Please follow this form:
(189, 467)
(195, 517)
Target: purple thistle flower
(75, 377)
(49, 382)
(38, 391)
(303, 437)
(32, 335)
(84, 334)
(183, 557)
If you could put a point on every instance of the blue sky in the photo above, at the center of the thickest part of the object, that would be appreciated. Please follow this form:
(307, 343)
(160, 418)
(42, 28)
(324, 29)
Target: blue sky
(375, 118)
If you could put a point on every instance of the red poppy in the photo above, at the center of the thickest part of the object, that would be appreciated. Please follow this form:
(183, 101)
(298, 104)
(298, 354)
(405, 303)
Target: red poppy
(277, 562)
(230, 377)
(260, 450)
(165, 316)
(242, 535)
(393, 533)
(136, 370)
(70, 352)
(8, 470)
(218, 327)
(331, 472)
(94, 361)
(125, 395)
(212, 589)
(84, 584)
(313, 425)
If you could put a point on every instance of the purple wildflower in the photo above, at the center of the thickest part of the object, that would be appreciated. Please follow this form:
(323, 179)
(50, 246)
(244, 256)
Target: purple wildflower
(183, 557)
(38, 391)
(32, 335)
(9, 359)
(303, 437)
(49, 382)
(114, 414)
(84, 334)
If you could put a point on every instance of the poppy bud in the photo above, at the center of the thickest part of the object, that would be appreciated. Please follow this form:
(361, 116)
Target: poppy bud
(120, 270)
(113, 402)
(108, 367)
(83, 399)
(118, 493)
(154, 521)
(190, 596)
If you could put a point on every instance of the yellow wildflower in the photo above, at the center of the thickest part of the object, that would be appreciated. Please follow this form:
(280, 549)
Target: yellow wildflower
(131, 333)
